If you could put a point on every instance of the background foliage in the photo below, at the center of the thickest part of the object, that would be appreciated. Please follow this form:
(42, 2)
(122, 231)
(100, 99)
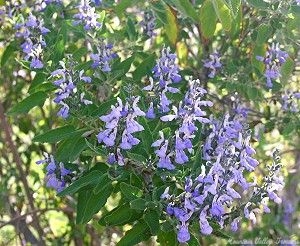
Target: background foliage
(109, 204)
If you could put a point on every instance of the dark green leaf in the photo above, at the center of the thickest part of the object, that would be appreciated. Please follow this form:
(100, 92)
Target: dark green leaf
(90, 178)
(39, 78)
(151, 217)
(90, 203)
(130, 192)
(35, 99)
(55, 135)
(119, 216)
(138, 233)
(136, 157)
(167, 238)
(138, 204)
(144, 68)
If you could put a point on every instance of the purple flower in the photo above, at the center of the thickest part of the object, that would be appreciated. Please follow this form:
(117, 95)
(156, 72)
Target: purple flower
(165, 72)
(148, 24)
(87, 16)
(234, 224)
(32, 31)
(66, 81)
(205, 228)
(273, 60)
(103, 57)
(121, 120)
(289, 101)
(183, 234)
(150, 114)
(187, 114)
(213, 64)
(57, 174)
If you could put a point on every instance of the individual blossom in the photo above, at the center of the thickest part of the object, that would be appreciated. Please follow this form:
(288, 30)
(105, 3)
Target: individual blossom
(87, 16)
(103, 57)
(165, 73)
(32, 32)
(121, 121)
(290, 101)
(213, 63)
(273, 60)
(148, 24)
(57, 175)
(68, 93)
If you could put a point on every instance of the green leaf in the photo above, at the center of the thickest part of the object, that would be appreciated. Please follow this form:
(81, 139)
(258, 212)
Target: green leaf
(39, 78)
(151, 217)
(90, 203)
(123, 5)
(132, 34)
(119, 216)
(55, 135)
(130, 192)
(8, 52)
(263, 33)
(146, 136)
(223, 13)
(138, 233)
(125, 65)
(260, 4)
(138, 204)
(287, 69)
(70, 149)
(208, 15)
(144, 67)
(35, 99)
(167, 238)
(160, 14)
(171, 27)
(90, 178)
(186, 8)
(104, 179)
(234, 6)
(193, 241)
(136, 157)
(104, 107)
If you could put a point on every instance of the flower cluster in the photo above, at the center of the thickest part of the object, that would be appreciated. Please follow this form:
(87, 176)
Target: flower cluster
(166, 72)
(213, 63)
(187, 114)
(57, 174)
(289, 101)
(87, 16)
(148, 24)
(67, 94)
(121, 121)
(211, 195)
(103, 57)
(273, 60)
(32, 32)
